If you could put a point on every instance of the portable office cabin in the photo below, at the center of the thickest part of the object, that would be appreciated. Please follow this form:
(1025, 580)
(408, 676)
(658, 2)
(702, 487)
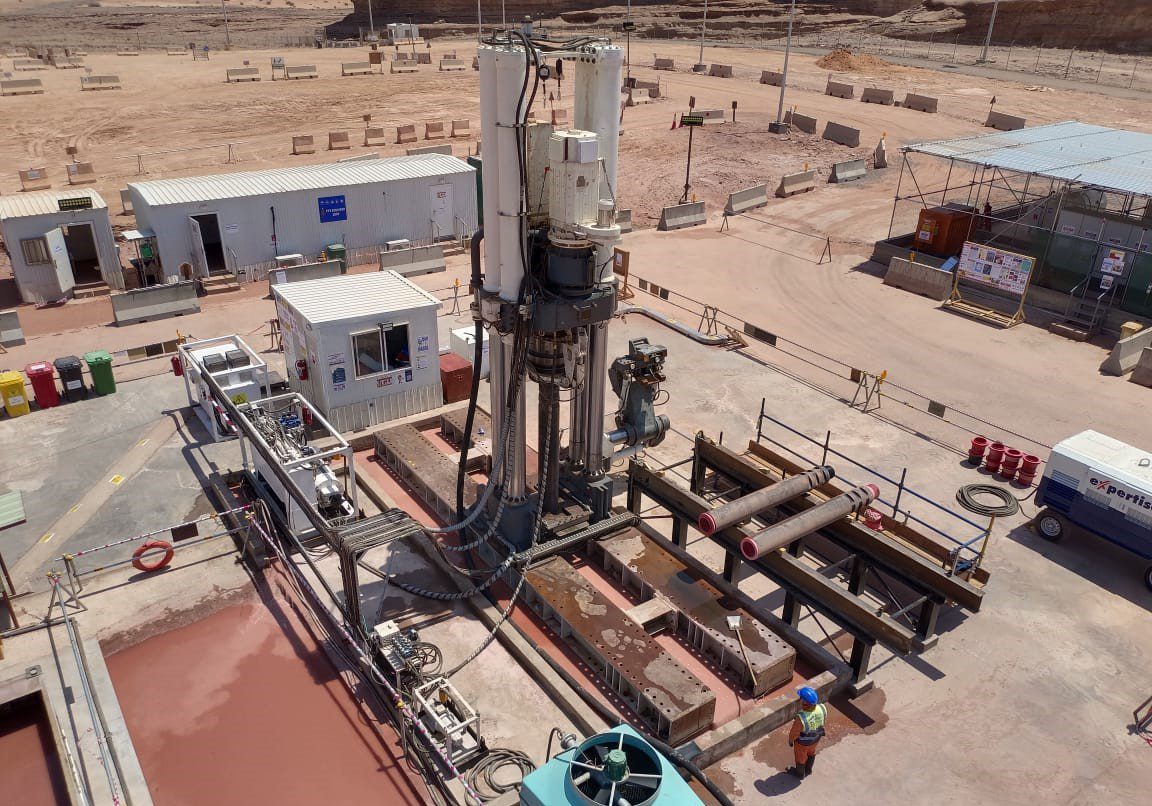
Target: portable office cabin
(58, 240)
(239, 223)
(362, 348)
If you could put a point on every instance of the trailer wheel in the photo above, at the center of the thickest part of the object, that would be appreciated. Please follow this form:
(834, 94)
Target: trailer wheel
(1148, 577)
(1049, 526)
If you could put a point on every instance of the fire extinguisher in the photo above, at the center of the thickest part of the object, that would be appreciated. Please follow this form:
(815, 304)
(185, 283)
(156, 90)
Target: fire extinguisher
(302, 370)
(177, 366)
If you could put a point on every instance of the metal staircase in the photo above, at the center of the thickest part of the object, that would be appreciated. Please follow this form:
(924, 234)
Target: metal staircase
(1086, 311)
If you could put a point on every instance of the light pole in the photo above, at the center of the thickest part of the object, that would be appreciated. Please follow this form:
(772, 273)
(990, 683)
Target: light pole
(779, 127)
(371, 24)
(699, 66)
(988, 38)
(227, 34)
(628, 39)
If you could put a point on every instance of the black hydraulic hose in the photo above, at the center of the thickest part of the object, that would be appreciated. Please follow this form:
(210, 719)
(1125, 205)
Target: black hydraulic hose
(1009, 505)
(613, 718)
(477, 365)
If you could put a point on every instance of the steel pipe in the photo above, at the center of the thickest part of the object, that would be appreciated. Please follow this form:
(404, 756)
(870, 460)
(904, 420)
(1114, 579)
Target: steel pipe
(807, 522)
(760, 501)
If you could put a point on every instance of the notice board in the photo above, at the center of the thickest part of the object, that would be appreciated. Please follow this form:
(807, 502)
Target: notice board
(332, 208)
(987, 265)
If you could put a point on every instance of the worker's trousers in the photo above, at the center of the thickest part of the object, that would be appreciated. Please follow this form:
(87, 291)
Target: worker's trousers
(804, 752)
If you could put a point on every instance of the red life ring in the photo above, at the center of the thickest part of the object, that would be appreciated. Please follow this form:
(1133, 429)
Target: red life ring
(138, 556)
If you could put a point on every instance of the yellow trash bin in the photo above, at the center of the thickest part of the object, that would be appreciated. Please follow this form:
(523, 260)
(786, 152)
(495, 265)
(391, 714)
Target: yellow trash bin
(13, 394)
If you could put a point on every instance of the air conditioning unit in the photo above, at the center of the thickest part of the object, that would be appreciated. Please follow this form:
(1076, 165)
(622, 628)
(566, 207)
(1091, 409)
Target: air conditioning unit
(610, 768)
(287, 261)
(394, 246)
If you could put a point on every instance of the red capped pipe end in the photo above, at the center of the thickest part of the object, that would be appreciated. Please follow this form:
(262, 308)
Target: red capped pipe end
(872, 488)
(749, 549)
(707, 523)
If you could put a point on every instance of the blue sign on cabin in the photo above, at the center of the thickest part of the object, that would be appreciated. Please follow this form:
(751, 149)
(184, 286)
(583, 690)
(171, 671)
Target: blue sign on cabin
(332, 208)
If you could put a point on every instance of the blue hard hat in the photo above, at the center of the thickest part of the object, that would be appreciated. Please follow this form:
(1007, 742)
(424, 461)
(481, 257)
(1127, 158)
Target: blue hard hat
(808, 694)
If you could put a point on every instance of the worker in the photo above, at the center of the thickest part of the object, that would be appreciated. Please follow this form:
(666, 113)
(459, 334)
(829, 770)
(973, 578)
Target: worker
(807, 731)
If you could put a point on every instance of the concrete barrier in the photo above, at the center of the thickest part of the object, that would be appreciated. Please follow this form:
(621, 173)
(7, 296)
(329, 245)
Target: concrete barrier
(155, 302)
(791, 184)
(475, 62)
(406, 134)
(128, 52)
(175, 52)
(444, 149)
(720, 70)
(664, 64)
(338, 141)
(106, 82)
(35, 179)
(126, 201)
(875, 95)
(424, 57)
(560, 118)
(434, 131)
(448, 65)
(918, 278)
(305, 271)
(67, 62)
(848, 171)
(461, 128)
(1142, 373)
(403, 66)
(24, 65)
(415, 261)
(1005, 123)
(1126, 353)
(679, 216)
(237, 74)
(772, 78)
(712, 116)
(838, 90)
(880, 155)
(375, 136)
(22, 86)
(637, 97)
(80, 173)
(11, 334)
(303, 144)
(295, 71)
(624, 220)
(746, 199)
(801, 122)
(653, 87)
(844, 135)
(921, 103)
(356, 68)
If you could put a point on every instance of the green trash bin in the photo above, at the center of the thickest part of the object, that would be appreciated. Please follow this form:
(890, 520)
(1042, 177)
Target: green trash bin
(336, 251)
(100, 365)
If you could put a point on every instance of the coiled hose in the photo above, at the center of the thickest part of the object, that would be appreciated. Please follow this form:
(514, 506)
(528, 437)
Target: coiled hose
(1009, 504)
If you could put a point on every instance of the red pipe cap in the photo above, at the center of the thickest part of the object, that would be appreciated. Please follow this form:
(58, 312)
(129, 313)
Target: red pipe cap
(749, 549)
(707, 523)
(874, 490)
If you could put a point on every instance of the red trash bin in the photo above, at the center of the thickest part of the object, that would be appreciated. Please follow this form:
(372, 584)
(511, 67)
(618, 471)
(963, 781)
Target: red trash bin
(43, 378)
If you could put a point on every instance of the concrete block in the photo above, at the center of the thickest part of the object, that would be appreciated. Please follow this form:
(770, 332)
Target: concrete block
(106, 82)
(424, 57)
(237, 74)
(67, 62)
(1125, 354)
(679, 216)
(11, 333)
(624, 220)
(403, 66)
(919, 278)
(664, 64)
(1142, 373)
(637, 97)
(415, 261)
(126, 201)
(771, 78)
(461, 128)
(80, 173)
(449, 65)
(434, 131)
(848, 171)
(35, 179)
(22, 86)
(406, 134)
(375, 136)
(801, 122)
(297, 71)
(303, 144)
(720, 70)
(921, 103)
(356, 68)
(844, 135)
(338, 141)
(838, 90)
(1005, 123)
(875, 95)
(560, 117)
(444, 149)
(746, 199)
(155, 302)
(791, 184)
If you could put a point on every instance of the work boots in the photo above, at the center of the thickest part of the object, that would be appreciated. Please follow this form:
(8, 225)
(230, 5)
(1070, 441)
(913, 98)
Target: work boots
(808, 765)
(800, 770)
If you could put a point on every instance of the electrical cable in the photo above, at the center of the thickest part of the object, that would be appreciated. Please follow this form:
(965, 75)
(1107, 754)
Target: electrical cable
(482, 776)
(966, 497)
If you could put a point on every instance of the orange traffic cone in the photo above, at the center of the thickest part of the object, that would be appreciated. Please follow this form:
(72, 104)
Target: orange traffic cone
(675, 118)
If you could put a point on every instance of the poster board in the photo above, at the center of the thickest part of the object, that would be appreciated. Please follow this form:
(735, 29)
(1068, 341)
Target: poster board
(998, 268)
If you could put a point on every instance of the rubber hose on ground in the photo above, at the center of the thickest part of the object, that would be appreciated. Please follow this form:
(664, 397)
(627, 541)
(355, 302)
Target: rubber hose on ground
(966, 496)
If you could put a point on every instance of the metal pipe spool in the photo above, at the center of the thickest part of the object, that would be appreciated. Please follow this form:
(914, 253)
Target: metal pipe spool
(807, 522)
(753, 504)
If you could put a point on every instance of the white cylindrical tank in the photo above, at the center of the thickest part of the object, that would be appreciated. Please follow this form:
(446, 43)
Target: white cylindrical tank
(510, 65)
(597, 106)
(490, 170)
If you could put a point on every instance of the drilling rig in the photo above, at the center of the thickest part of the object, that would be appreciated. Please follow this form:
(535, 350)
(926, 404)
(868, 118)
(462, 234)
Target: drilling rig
(546, 291)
